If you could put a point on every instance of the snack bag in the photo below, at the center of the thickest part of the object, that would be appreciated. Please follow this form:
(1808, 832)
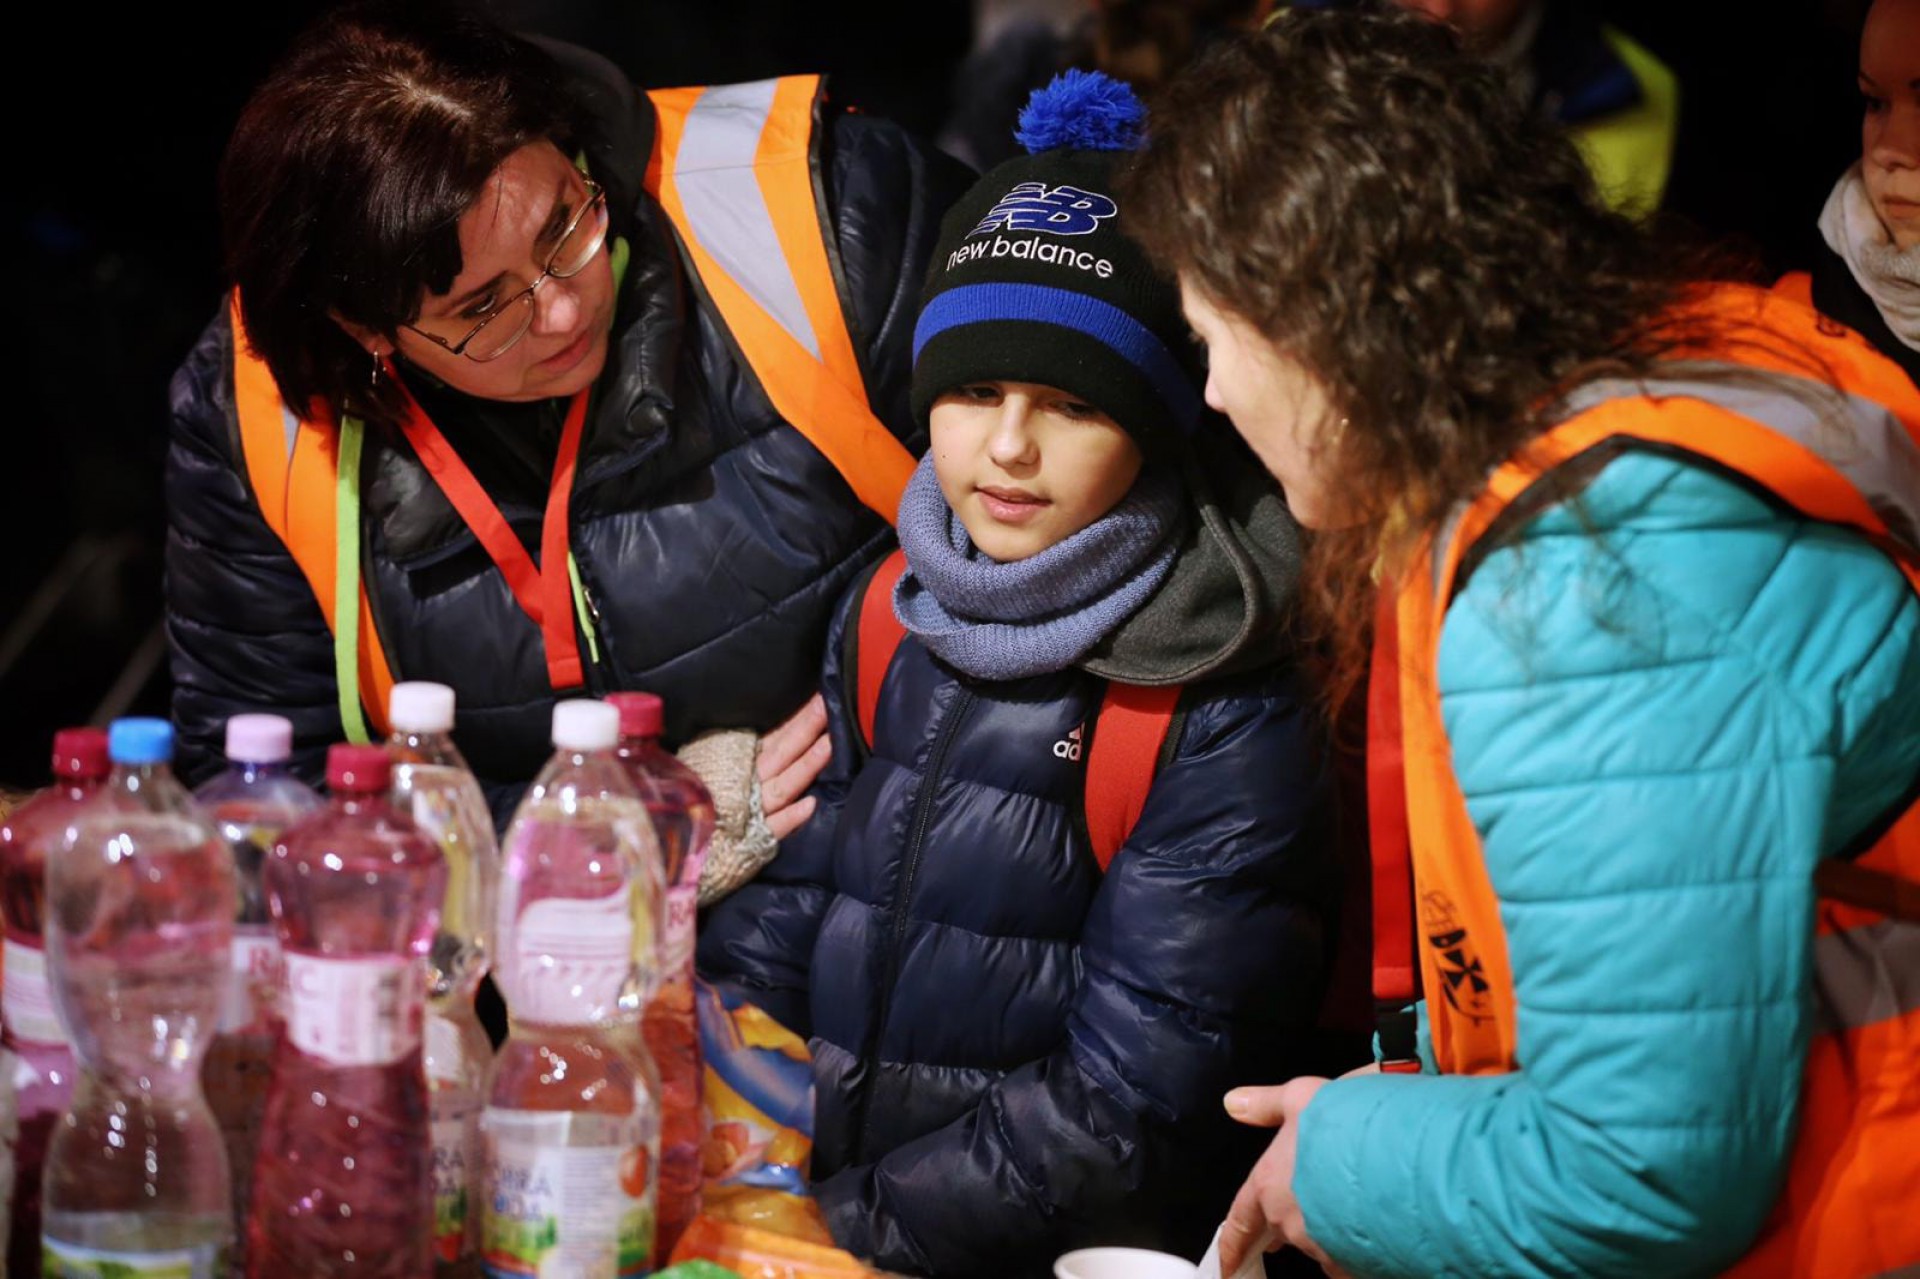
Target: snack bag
(754, 1253)
(757, 1084)
(755, 1217)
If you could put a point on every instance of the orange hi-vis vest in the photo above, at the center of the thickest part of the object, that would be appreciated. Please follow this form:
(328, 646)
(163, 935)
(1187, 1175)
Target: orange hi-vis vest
(735, 167)
(1851, 1204)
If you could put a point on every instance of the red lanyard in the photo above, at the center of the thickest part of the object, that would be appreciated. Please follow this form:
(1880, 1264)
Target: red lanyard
(545, 593)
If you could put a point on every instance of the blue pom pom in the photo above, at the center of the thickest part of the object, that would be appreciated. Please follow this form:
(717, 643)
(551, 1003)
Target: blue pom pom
(1082, 111)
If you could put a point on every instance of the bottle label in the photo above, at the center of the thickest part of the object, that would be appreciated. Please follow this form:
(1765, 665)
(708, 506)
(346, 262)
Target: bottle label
(456, 1133)
(354, 1012)
(26, 997)
(571, 957)
(69, 1261)
(676, 948)
(247, 1008)
(555, 1208)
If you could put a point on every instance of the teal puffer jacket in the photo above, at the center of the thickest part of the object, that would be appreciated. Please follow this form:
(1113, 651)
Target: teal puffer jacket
(1659, 731)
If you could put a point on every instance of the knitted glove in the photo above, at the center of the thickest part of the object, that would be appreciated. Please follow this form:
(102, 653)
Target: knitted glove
(726, 760)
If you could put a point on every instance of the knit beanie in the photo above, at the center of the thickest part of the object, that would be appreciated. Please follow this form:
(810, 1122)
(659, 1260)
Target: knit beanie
(1034, 279)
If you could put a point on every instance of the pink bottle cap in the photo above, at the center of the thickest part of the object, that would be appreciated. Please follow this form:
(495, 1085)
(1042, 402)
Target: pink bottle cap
(641, 714)
(259, 739)
(358, 770)
(81, 753)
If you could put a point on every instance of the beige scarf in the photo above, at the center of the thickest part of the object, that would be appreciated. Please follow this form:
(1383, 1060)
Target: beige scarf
(1890, 275)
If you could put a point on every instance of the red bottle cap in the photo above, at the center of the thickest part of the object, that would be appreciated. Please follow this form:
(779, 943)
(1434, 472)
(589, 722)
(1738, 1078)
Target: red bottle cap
(81, 754)
(358, 770)
(641, 714)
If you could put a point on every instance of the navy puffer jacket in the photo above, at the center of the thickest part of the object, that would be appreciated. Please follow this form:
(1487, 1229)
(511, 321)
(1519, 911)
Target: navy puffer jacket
(1015, 1055)
(712, 538)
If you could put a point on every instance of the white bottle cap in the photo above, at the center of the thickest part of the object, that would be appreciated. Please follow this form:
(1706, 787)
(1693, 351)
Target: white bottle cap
(581, 725)
(418, 706)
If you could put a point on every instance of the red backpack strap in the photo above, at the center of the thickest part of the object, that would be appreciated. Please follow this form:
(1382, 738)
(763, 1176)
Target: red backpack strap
(877, 639)
(1395, 983)
(1129, 734)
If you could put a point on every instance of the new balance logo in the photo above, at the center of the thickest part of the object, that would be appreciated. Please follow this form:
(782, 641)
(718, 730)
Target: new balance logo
(1031, 206)
(1068, 747)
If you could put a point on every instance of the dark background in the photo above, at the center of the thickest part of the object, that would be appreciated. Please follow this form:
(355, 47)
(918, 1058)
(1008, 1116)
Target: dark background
(113, 245)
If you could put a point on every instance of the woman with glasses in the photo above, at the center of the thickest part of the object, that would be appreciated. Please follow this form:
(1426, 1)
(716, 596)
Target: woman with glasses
(492, 402)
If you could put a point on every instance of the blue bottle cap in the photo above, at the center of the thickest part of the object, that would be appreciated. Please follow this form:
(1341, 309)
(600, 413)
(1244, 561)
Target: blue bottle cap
(140, 741)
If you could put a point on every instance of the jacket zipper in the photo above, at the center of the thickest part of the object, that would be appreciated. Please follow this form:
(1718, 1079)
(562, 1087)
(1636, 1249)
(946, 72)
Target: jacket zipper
(922, 816)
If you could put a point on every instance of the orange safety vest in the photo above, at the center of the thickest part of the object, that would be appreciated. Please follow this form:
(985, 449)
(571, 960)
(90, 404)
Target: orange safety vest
(1851, 1205)
(734, 167)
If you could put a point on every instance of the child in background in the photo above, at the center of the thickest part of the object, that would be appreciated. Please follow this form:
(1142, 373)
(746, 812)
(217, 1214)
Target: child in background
(1016, 1049)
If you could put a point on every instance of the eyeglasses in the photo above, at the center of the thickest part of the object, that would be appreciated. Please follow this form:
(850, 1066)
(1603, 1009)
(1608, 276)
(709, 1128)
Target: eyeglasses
(583, 239)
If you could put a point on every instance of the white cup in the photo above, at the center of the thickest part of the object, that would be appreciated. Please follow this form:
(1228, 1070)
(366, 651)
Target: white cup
(1123, 1263)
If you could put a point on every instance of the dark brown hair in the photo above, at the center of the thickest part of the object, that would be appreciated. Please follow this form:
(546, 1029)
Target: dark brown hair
(350, 167)
(1381, 206)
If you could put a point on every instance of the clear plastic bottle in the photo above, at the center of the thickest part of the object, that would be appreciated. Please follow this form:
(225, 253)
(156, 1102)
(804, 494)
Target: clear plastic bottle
(29, 1025)
(573, 1123)
(683, 819)
(432, 783)
(343, 1184)
(251, 804)
(140, 907)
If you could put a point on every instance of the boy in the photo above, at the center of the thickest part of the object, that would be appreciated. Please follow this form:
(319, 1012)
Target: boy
(1019, 1048)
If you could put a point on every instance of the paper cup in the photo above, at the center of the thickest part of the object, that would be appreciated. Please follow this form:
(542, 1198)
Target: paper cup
(1123, 1263)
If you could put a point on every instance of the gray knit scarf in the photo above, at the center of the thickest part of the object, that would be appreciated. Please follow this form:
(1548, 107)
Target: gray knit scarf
(1043, 613)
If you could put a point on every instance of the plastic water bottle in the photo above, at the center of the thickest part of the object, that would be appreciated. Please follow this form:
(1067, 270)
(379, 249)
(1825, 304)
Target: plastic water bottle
(432, 783)
(683, 820)
(29, 1028)
(251, 803)
(140, 906)
(9, 1133)
(573, 1123)
(343, 1185)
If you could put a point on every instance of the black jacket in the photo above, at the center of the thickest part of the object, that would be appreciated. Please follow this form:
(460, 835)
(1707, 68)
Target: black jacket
(711, 537)
(1014, 1054)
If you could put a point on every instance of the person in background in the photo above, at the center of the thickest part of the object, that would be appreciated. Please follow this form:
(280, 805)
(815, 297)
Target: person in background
(1021, 1015)
(510, 396)
(1618, 100)
(1644, 553)
(1870, 278)
(1019, 47)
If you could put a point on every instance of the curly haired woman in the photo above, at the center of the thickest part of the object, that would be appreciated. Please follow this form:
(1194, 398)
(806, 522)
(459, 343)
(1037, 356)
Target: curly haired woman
(1645, 693)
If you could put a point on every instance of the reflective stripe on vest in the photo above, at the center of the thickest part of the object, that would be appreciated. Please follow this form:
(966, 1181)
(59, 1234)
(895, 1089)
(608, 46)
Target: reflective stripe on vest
(1848, 1208)
(294, 467)
(734, 166)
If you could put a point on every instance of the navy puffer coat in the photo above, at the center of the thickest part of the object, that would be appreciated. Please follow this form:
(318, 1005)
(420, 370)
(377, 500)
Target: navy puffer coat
(1014, 1054)
(712, 538)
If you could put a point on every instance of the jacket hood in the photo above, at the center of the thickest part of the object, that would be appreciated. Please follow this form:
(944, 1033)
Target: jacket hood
(1222, 607)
